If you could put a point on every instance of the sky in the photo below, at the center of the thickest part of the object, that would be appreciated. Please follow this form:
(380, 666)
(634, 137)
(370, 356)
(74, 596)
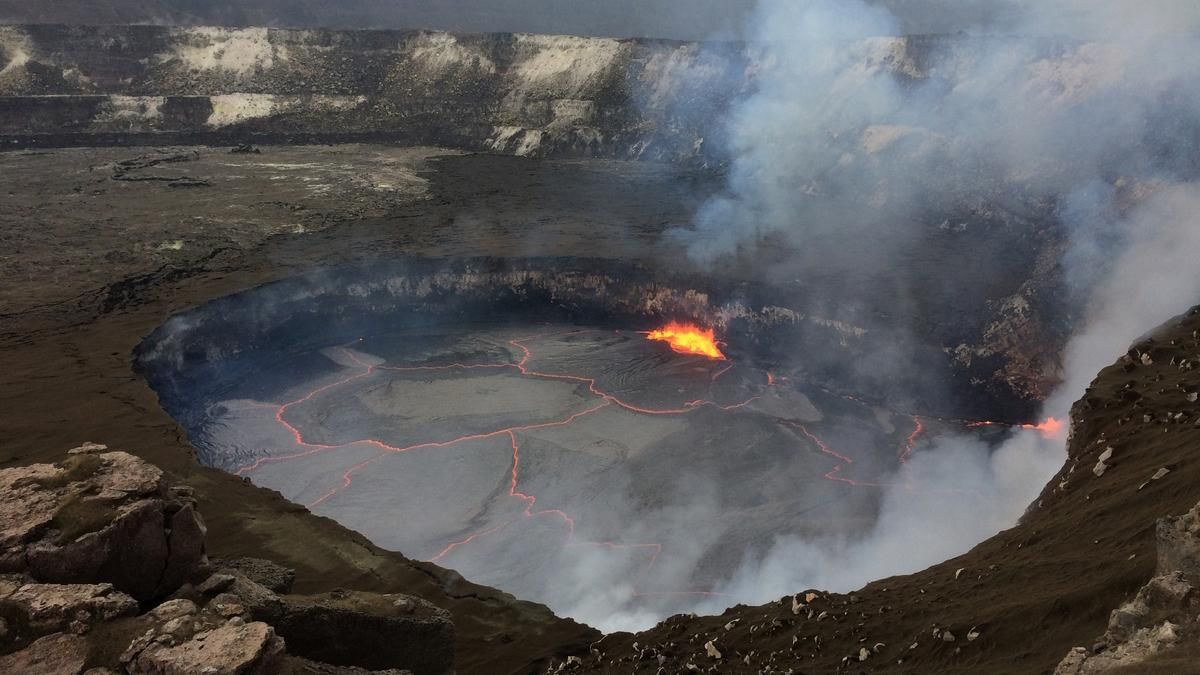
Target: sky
(676, 19)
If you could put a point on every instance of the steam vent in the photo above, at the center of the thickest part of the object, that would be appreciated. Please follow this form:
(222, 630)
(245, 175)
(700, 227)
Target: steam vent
(534, 337)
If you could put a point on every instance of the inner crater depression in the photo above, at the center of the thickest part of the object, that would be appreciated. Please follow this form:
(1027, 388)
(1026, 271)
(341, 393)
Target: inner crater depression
(549, 448)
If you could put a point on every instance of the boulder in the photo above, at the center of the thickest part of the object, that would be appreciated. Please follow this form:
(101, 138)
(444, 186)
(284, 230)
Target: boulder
(1178, 541)
(236, 589)
(57, 654)
(42, 609)
(274, 577)
(173, 609)
(1162, 610)
(1168, 595)
(235, 648)
(1141, 646)
(369, 630)
(98, 517)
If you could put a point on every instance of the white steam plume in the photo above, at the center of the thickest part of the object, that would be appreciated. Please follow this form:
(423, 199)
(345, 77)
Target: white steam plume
(845, 134)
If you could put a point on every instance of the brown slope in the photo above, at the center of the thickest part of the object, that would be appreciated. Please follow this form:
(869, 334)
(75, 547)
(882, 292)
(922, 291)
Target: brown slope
(1032, 592)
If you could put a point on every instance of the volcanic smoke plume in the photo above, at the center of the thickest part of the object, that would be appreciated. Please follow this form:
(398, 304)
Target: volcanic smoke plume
(851, 136)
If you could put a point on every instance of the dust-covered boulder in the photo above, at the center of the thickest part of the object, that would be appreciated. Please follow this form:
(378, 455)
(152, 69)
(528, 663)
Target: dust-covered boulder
(274, 577)
(36, 610)
(98, 517)
(234, 593)
(234, 648)
(1163, 598)
(57, 654)
(1178, 541)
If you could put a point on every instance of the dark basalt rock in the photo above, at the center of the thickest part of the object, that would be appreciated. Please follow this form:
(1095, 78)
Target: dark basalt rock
(273, 577)
(369, 630)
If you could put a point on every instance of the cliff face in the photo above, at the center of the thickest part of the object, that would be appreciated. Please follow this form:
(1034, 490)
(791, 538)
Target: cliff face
(511, 93)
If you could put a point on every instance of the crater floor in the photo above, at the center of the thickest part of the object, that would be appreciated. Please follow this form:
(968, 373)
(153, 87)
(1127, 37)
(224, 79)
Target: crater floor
(590, 469)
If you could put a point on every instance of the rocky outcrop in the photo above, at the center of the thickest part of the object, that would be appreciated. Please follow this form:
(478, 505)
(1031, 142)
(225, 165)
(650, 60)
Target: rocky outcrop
(369, 630)
(1179, 544)
(37, 610)
(345, 628)
(100, 519)
(1161, 615)
(273, 577)
(58, 654)
(529, 95)
(201, 641)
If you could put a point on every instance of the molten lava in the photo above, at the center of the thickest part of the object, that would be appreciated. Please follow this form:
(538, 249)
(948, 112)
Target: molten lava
(1051, 428)
(686, 338)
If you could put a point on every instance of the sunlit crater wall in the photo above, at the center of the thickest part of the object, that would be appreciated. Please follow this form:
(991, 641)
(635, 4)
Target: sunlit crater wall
(510, 93)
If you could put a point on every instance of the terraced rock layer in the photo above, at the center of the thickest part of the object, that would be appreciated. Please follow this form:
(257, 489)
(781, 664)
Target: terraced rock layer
(510, 93)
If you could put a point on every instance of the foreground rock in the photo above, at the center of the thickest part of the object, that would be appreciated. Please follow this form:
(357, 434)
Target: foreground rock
(1179, 544)
(108, 523)
(98, 517)
(370, 630)
(344, 628)
(36, 610)
(1161, 616)
(273, 577)
(58, 654)
(192, 644)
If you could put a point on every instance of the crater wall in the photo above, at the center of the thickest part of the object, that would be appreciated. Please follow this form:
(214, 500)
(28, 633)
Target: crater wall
(517, 94)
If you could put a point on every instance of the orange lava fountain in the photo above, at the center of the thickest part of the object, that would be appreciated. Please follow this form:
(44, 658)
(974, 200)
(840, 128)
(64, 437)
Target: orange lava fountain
(686, 338)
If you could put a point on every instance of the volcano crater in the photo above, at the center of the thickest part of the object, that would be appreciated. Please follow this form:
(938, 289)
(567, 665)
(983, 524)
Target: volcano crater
(512, 420)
